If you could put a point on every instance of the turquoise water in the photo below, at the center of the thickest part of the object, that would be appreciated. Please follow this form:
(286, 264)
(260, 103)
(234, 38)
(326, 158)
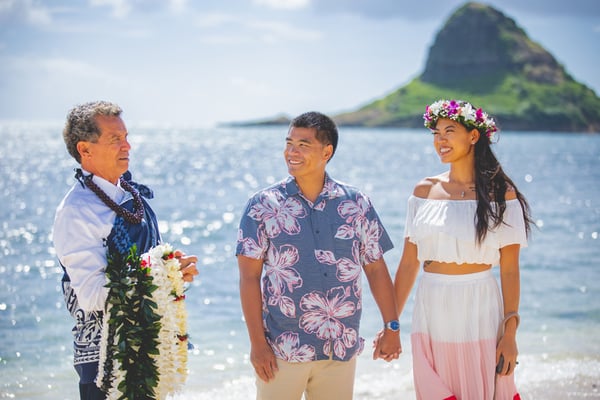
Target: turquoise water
(202, 178)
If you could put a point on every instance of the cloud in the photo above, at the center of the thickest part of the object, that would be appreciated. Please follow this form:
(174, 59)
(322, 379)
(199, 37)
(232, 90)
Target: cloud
(54, 67)
(250, 87)
(427, 9)
(120, 8)
(283, 4)
(571, 8)
(177, 6)
(25, 10)
(215, 20)
(244, 30)
(124, 8)
(224, 39)
(275, 31)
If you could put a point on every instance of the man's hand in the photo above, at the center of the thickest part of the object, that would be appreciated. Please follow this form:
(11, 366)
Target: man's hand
(387, 345)
(187, 265)
(264, 362)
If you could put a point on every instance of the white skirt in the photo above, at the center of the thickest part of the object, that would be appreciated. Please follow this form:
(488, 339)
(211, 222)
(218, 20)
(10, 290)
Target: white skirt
(454, 335)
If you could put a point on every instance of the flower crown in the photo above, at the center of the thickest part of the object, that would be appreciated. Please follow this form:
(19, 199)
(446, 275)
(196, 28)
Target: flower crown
(463, 112)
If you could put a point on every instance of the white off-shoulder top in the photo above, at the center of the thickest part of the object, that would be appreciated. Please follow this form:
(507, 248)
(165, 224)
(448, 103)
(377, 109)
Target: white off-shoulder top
(444, 231)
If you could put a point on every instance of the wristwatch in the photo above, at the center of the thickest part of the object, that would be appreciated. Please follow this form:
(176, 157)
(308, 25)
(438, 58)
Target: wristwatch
(392, 325)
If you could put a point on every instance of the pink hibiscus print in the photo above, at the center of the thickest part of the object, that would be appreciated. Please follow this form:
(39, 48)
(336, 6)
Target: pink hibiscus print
(250, 248)
(369, 234)
(279, 276)
(278, 214)
(330, 191)
(348, 340)
(286, 347)
(347, 270)
(322, 314)
(354, 213)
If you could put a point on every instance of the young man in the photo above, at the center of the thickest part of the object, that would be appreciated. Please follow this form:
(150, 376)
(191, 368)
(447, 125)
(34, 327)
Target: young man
(312, 237)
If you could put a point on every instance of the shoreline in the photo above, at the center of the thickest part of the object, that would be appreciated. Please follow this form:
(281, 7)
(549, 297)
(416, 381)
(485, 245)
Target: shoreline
(539, 378)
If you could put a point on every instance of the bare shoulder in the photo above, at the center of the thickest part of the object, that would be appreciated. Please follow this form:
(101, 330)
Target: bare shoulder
(423, 188)
(511, 193)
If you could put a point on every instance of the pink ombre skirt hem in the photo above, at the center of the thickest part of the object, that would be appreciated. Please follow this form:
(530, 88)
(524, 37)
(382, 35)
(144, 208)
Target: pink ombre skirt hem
(454, 329)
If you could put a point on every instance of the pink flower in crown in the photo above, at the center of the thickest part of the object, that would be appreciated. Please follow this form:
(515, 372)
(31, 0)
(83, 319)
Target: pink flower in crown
(278, 214)
(453, 108)
(479, 116)
(427, 116)
(461, 111)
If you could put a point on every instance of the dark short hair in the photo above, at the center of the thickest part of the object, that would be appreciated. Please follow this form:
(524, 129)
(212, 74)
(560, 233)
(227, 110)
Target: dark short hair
(327, 132)
(81, 124)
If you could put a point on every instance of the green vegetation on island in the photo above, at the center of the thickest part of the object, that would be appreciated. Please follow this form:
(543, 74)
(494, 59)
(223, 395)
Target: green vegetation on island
(482, 56)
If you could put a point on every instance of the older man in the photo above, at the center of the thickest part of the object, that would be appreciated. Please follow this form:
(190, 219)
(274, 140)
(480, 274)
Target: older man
(101, 212)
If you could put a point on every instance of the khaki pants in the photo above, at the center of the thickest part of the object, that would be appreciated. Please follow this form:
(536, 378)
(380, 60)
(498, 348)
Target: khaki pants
(317, 380)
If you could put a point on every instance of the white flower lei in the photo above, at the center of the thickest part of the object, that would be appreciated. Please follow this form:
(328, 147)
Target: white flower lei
(171, 360)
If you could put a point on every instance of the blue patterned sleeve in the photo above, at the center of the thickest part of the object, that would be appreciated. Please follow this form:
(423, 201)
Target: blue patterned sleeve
(251, 241)
(378, 240)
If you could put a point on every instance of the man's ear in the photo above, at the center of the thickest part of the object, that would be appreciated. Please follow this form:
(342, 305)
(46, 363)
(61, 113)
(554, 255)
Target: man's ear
(83, 148)
(328, 152)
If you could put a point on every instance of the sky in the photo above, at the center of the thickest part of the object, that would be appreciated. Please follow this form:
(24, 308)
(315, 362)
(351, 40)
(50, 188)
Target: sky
(200, 63)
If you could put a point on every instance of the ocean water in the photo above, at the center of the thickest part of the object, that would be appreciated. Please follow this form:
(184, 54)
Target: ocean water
(202, 178)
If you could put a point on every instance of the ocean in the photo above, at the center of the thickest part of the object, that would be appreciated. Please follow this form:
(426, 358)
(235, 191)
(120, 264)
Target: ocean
(202, 178)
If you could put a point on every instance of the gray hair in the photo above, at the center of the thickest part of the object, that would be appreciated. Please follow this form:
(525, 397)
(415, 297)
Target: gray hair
(81, 124)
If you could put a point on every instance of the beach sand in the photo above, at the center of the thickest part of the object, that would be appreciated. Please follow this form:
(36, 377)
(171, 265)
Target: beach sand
(400, 388)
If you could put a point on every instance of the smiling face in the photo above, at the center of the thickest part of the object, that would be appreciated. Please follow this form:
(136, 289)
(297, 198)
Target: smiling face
(306, 157)
(453, 141)
(108, 157)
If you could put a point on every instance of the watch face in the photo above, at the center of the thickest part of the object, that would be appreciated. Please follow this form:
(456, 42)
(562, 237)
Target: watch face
(393, 325)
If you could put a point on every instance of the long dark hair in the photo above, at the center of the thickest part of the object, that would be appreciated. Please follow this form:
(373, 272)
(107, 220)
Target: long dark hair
(491, 184)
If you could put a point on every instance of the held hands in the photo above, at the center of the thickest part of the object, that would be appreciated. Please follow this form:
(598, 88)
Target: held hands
(188, 265)
(387, 345)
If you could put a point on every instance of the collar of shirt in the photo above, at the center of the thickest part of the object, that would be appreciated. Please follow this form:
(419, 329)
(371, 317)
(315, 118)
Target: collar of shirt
(331, 189)
(115, 192)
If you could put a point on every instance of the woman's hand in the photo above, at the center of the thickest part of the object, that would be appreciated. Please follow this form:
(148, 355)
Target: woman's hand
(507, 348)
(386, 345)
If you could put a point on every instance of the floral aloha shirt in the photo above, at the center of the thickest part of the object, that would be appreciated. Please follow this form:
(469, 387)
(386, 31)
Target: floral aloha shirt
(313, 257)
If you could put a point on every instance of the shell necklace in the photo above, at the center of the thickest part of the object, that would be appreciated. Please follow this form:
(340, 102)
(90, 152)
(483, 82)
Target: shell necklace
(138, 206)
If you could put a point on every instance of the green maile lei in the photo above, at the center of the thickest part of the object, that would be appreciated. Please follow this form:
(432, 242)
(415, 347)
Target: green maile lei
(133, 327)
(131, 338)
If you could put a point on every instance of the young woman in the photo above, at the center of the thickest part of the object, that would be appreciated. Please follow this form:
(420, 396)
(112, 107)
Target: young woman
(459, 224)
